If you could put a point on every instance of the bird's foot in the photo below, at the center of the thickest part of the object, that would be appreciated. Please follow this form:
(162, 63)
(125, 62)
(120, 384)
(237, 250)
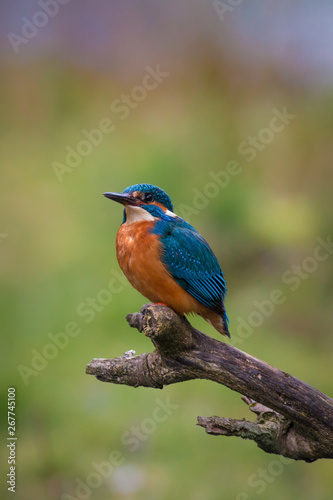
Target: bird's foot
(160, 304)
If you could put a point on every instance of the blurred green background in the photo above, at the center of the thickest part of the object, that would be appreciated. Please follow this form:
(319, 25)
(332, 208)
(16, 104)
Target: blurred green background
(227, 73)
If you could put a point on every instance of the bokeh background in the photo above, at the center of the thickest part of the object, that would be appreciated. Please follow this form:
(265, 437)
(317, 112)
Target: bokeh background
(228, 69)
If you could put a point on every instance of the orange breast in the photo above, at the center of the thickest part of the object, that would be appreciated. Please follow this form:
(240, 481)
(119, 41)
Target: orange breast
(139, 256)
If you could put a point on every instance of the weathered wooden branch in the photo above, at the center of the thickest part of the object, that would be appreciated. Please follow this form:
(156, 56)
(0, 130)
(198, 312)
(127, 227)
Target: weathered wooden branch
(293, 419)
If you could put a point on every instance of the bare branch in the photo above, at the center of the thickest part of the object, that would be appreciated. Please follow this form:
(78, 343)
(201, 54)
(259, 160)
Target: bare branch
(293, 419)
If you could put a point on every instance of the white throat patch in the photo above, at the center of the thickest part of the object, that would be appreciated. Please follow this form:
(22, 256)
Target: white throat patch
(170, 214)
(137, 214)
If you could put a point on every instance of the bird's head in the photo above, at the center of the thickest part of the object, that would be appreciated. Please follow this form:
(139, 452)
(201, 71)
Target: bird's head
(143, 202)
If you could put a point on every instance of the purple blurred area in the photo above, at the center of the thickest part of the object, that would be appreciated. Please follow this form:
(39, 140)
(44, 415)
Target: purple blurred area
(119, 37)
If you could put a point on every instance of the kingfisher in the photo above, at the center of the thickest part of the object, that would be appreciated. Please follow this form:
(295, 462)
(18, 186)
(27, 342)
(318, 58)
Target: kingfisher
(166, 259)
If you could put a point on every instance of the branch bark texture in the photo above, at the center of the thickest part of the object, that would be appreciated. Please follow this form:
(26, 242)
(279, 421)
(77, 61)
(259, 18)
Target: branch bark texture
(293, 419)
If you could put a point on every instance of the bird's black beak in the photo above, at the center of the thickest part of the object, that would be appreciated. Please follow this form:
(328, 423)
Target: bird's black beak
(123, 198)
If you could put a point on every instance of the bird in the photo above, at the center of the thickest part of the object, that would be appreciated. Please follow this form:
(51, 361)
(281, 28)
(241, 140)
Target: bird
(166, 259)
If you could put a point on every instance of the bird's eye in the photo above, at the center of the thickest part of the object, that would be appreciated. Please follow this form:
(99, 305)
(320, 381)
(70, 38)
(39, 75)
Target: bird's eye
(149, 197)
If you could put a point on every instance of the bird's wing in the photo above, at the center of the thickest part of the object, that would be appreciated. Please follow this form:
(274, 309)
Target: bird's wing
(192, 263)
